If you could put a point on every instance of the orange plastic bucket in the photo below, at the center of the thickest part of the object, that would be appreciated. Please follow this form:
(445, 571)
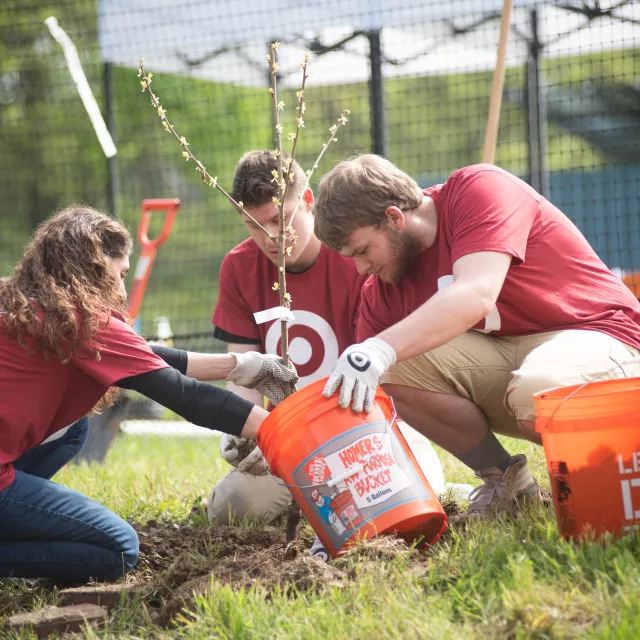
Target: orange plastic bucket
(353, 475)
(591, 438)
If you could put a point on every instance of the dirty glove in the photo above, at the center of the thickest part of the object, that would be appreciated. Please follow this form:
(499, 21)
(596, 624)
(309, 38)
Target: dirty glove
(243, 454)
(358, 372)
(263, 372)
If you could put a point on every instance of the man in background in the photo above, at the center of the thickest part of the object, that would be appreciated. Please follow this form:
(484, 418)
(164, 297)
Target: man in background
(325, 290)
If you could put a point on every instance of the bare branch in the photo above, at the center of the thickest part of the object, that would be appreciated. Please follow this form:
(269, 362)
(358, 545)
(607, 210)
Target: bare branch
(299, 122)
(187, 154)
(342, 120)
(285, 297)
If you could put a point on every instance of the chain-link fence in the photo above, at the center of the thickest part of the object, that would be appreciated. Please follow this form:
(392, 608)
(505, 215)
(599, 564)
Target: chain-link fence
(415, 75)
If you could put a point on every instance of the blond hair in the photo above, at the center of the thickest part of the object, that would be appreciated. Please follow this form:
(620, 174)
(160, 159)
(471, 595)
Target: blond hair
(356, 193)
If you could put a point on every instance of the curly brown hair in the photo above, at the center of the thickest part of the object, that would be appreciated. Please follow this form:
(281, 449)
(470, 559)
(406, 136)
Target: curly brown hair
(63, 290)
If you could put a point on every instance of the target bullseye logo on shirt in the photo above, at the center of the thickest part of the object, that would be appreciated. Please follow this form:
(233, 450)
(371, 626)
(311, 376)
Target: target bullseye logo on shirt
(313, 345)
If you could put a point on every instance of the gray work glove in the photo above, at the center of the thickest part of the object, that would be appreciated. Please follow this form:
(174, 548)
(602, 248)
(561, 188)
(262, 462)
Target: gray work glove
(243, 454)
(263, 372)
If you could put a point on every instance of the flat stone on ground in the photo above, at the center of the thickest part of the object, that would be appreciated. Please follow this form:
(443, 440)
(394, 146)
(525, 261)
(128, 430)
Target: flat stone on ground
(57, 619)
(108, 595)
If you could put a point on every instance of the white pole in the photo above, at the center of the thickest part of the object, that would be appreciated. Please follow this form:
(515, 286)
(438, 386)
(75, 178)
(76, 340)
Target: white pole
(77, 73)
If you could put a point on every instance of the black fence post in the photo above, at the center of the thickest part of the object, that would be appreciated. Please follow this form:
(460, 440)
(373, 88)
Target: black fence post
(536, 113)
(376, 95)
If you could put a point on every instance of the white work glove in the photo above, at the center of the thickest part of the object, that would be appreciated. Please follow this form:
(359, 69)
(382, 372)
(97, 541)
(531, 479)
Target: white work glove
(243, 454)
(358, 372)
(263, 372)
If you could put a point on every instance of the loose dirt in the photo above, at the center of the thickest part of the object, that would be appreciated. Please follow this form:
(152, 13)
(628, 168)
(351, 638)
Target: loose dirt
(177, 563)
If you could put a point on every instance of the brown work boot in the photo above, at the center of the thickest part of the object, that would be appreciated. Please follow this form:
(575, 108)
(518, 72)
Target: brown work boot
(502, 489)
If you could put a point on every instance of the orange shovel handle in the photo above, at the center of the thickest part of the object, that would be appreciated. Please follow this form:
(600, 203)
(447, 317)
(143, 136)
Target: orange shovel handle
(149, 247)
(171, 206)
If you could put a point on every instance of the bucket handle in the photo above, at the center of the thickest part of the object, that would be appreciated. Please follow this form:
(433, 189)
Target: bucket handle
(635, 359)
(353, 469)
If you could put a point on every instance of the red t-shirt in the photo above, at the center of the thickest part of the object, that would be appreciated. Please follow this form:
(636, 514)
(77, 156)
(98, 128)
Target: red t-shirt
(39, 397)
(555, 281)
(325, 302)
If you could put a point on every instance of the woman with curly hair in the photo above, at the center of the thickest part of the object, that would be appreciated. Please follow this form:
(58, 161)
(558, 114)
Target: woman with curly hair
(65, 346)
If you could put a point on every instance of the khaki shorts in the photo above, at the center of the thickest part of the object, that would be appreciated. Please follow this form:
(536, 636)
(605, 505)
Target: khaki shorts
(500, 375)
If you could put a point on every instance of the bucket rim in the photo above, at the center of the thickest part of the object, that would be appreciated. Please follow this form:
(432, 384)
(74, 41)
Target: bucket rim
(582, 407)
(588, 390)
(278, 417)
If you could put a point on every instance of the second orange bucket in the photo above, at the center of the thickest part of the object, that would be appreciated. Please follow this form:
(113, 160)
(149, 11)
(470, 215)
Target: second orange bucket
(353, 475)
(591, 438)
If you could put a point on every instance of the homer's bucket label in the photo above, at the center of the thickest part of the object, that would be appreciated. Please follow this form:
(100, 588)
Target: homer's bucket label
(357, 476)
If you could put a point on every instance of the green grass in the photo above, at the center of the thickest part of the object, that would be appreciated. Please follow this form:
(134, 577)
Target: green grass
(150, 477)
(510, 578)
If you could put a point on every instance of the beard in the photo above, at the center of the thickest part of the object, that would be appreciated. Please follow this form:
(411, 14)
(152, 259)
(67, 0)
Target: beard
(404, 251)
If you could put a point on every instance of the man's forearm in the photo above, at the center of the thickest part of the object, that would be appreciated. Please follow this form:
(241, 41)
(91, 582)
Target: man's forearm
(478, 280)
(446, 315)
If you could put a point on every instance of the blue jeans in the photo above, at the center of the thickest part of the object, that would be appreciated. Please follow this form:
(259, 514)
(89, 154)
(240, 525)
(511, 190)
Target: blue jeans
(48, 530)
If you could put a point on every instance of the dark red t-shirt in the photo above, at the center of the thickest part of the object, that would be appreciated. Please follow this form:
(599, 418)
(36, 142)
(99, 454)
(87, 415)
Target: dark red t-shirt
(325, 302)
(555, 281)
(39, 397)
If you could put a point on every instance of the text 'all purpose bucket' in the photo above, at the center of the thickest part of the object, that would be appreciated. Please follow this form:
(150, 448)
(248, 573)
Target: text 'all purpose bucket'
(353, 475)
(591, 438)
